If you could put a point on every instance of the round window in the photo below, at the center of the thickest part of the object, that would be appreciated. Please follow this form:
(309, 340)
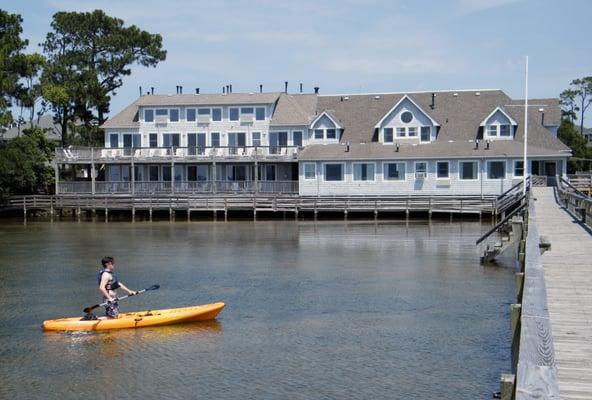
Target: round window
(406, 117)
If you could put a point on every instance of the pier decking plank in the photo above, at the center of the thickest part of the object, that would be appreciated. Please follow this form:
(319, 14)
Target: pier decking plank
(568, 278)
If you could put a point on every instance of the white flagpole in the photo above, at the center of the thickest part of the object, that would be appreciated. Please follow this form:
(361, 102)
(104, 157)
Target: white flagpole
(525, 160)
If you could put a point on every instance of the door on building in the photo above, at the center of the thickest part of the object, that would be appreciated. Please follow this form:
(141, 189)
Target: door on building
(196, 144)
(550, 172)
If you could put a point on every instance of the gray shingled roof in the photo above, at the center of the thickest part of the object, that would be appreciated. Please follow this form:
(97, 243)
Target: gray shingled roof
(294, 109)
(126, 118)
(52, 130)
(434, 150)
(208, 99)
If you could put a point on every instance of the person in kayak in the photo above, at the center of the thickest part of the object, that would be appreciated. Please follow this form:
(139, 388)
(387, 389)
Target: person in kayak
(108, 283)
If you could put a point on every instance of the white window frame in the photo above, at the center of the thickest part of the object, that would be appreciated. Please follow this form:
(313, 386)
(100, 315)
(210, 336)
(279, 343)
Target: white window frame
(169, 114)
(361, 163)
(253, 139)
(403, 129)
(488, 129)
(442, 162)
(426, 172)
(301, 137)
(144, 115)
(429, 131)
(385, 163)
(221, 114)
(239, 113)
(196, 114)
(487, 170)
(334, 163)
(514, 162)
(477, 170)
(264, 113)
(314, 165)
(409, 135)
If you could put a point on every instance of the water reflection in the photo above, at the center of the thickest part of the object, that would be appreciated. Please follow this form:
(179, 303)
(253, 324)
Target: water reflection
(324, 309)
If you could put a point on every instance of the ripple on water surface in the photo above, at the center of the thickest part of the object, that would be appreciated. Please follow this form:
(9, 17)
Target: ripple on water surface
(324, 311)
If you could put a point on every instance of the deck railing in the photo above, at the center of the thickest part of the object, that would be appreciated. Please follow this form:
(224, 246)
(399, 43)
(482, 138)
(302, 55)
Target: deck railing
(168, 187)
(87, 155)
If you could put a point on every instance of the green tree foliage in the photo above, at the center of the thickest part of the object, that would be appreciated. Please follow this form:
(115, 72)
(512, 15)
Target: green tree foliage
(24, 164)
(569, 134)
(576, 99)
(11, 60)
(88, 55)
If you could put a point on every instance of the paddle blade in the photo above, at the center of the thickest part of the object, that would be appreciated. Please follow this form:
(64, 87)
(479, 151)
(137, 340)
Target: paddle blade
(153, 287)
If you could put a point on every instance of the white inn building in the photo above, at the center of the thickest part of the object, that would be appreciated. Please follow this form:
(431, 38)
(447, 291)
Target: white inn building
(465, 142)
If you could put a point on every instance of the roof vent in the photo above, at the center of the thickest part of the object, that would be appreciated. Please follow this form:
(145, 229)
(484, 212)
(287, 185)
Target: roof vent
(346, 98)
(455, 94)
(433, 105)
(397, 148)
(477, 93)
(197, 90)
(376, 97)
(260, 88)
(300, 87)
(151, 90)
(316, 89)
(347, 147)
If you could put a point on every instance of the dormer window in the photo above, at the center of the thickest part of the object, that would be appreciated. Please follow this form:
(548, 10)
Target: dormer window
(498, 125)
(325, 127)
(406, 120)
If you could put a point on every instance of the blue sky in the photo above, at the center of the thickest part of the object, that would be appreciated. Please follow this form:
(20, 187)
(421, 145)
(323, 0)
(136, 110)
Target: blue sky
(347, 46)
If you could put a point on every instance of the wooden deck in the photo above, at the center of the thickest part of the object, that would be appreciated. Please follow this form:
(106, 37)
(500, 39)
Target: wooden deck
(568, 278)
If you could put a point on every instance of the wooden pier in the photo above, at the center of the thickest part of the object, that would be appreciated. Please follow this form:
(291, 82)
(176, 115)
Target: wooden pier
(568, 277)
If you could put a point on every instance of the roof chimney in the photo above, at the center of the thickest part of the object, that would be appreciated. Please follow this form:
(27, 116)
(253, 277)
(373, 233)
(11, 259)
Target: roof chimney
(180, 89)
(230, 87)
(223, 89)
(300, 87)
(543, 117)
(433, 105)
(196, 90)
(140, 91)
(152, 90)
(316, 89)
(286, 86)
(260, 88)
(177, 87)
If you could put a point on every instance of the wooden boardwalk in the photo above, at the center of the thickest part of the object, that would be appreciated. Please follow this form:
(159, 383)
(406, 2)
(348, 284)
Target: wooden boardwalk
(568, 278)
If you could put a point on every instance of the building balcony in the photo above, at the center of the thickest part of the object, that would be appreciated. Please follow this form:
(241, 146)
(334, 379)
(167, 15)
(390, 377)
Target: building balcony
(177, 187)
(89, 155)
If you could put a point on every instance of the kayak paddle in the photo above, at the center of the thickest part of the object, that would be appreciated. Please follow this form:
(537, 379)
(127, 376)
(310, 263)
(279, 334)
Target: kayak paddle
(89, 309)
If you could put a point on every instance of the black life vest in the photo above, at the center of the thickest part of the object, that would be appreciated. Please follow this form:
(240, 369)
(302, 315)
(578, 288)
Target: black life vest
(113, 283)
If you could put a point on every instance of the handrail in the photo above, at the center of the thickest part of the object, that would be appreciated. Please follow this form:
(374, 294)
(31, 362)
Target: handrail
(499, 224)
(535, 368)
(513, 188)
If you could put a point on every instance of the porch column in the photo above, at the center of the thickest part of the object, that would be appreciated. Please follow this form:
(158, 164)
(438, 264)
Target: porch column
(256, 176)
(92, 171)
(57, 176)
(213, 176)
(172, 170)
(133, 176)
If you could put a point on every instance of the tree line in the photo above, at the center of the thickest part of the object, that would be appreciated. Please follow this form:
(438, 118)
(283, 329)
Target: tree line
(83, 61)
(575, 101)
(81, 64)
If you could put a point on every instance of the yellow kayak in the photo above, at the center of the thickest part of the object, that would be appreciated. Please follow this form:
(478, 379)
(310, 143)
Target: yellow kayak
(137, 319)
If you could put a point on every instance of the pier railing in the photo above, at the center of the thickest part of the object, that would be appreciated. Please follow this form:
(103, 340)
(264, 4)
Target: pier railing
(576, 201)
(533, 353)
(261, 201)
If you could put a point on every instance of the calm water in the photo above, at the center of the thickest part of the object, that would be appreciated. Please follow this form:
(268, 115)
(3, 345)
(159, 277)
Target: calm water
(314, 311)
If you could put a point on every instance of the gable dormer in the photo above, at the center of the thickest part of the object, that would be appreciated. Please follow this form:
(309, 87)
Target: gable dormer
(498, 125)
(407, 121)
(325, 128)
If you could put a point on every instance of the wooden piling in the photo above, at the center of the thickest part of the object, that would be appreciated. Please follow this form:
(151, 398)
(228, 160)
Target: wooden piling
(507, 386)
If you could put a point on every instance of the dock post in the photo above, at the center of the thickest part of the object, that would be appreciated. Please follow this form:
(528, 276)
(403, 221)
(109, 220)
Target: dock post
(450, 216)
(345, 214)
(150, 213)
(133, 214)
(254, 214)
(188, 215)
(24, 208)
(507, 386)
(519, 284)
(515, 310)
(106, 210)
(375, 215)
(215, 215)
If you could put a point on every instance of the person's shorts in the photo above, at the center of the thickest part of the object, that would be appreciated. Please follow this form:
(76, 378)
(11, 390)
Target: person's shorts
(112, 309)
